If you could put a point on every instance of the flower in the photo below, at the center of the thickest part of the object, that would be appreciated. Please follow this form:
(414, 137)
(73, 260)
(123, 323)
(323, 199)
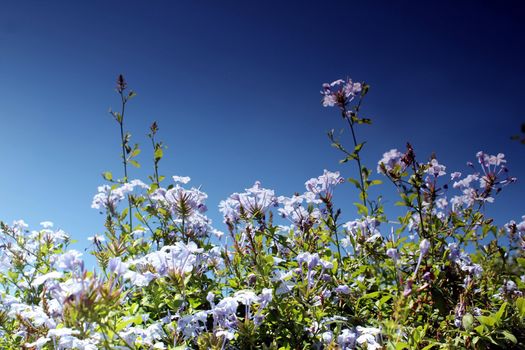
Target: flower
(343, 289)
(367, 335)
(435, 169)
(39, 343)
(121, 83)
(366, 227)
(346, 339)
(69, 260)
(390, 161)
(302, 216)
(392, 253)
(43, 278)
(117, 267)
(108, 197)
(322, 187)
(424, 246)
(455, 175)
(340, 92)
(46, 224)
(255, 201)
(463, 260)
(327, 337)
(182, 179)
(312, 260)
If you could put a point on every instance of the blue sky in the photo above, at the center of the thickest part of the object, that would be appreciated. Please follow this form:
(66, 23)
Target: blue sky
(234, 86)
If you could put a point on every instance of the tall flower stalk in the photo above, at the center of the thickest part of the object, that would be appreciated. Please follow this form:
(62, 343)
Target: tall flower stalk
(128, 153)
(357, 147)
(157, 153)
(342, 93)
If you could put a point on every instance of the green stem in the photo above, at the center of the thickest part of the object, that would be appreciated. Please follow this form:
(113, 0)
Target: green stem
(333, 228)
(124, 159)
(358, 158)
(419, 202)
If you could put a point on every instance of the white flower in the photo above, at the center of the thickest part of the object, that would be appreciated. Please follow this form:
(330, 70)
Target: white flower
(96, 238)
(116, 266)
(39, 343)
(424, 246)
(60, 332)
(182, 179)
(327, 337)
(46, 224)
(390, 160)
(43, 278)
(69, 260)
(368, 336)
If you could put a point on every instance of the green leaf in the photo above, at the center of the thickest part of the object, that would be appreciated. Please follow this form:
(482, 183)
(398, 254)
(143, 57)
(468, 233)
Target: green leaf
(337, 145)
(358, 147)
(480, 329)
(520, 304)
(158, 153)
(137, 319)
(135, 152)
(489, 321)
(384, 300)
(500, 312)
(349, 157)
(355, 182)
(107, 176)
(364, 121)
(509, 336)
(468, 321)
(402, 346)
(372, 295)
(365, 171)
(361, 208)
(123, 324)
(134, 163)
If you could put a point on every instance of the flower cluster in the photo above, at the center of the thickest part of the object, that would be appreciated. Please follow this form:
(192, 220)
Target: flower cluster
(340, 92)
(255, 202)
(391, 160)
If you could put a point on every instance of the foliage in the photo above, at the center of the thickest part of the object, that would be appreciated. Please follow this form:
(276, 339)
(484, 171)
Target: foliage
(287, 273)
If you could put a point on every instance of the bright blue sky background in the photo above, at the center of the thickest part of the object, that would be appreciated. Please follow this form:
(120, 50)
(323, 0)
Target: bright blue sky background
(234, 86)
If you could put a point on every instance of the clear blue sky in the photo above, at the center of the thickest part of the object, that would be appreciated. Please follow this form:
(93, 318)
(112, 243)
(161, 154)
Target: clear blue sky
(234, 86)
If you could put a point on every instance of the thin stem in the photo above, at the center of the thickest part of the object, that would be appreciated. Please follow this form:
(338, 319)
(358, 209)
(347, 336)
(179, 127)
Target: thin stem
(124, 159)
(121, 123)
(145, 222)
(358, 158)
(419, 202)
(333, 228)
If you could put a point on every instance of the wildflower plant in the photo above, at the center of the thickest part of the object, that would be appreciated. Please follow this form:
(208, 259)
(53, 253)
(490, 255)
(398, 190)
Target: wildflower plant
(288, 272)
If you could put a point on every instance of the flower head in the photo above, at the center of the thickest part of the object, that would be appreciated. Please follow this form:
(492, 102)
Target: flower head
(340, 92)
